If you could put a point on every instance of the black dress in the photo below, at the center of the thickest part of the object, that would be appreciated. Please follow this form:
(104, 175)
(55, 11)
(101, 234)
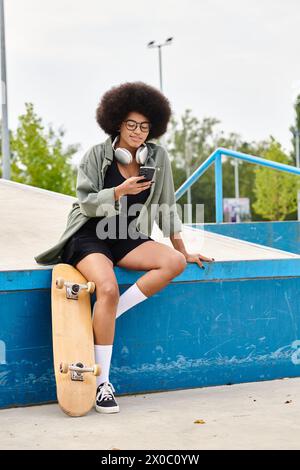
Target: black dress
(115, 236)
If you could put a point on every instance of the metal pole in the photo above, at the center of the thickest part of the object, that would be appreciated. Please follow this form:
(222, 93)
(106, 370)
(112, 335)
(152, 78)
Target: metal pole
(236, 178)
(188, 157)
(219, 188)
(162, 139)
(297, 143)
(5, 132)
(168, 41)
(189, 198)
(160, 68)
(236, 184)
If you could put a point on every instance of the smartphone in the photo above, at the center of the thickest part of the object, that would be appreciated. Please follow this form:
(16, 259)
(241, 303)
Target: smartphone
(148, 172)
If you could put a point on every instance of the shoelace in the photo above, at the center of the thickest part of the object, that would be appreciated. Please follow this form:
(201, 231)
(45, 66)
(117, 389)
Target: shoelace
(106, 392)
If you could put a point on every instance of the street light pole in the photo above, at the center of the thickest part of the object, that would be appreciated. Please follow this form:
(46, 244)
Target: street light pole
(160, 68)
(5, 132)
(152, 44)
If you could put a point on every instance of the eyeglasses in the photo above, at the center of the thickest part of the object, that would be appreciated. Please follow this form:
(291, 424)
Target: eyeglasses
(131, 125)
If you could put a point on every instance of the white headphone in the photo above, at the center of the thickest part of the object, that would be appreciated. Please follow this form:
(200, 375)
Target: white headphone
(124, 156)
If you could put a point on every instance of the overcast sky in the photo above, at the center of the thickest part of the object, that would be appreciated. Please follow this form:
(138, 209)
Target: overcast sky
(236, 60)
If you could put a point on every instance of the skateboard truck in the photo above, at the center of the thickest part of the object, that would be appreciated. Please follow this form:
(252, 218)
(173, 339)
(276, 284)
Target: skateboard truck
(78, 369)
(73, 289)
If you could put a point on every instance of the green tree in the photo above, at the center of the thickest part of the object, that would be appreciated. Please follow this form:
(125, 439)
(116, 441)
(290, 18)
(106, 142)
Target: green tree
(190, 142)
(38, 158)
(276, 191)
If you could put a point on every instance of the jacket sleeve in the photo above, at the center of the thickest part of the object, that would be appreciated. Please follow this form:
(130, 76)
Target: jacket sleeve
(94, 201)
(168, 220)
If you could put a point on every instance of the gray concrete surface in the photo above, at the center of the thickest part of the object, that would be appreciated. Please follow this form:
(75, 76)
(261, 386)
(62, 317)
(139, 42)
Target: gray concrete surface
(244, 416)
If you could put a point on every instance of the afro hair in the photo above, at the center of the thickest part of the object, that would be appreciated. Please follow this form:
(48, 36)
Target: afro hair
(119, 101)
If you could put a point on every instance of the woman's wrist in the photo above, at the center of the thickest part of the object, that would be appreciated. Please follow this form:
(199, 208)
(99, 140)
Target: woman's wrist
(184, 252)
(178, 244)
(118, 192)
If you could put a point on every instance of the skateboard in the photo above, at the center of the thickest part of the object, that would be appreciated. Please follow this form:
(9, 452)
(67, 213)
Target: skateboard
(73, 342)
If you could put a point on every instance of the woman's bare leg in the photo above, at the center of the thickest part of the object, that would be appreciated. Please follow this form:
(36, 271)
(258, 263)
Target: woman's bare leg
(162, 262)
(98, 268)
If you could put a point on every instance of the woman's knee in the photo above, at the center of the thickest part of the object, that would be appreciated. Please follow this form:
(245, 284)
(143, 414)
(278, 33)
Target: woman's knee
(107, 290)
(175, 263)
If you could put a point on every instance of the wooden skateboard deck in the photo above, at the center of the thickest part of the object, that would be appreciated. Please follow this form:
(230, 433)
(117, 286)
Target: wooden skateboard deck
(73, 342)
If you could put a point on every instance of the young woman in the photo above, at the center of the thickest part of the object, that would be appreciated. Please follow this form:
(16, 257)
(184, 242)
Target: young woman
(131, 114)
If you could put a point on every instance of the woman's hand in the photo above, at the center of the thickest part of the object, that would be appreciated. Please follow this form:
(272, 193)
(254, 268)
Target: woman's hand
(131, 186)
(196, 257)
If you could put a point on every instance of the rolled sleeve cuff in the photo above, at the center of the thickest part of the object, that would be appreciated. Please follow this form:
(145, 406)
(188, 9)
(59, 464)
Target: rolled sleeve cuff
(107, 203)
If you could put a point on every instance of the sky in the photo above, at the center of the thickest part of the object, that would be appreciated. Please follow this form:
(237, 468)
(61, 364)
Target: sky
(235, 60)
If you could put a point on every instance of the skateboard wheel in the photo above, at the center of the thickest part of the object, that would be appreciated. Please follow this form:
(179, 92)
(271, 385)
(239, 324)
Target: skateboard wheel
(60, 282)
(97, 369)
(64, 367)
(91, 287)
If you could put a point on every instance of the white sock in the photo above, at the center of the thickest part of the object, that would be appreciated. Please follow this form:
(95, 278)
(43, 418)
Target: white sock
(129, 298)
(103, 354)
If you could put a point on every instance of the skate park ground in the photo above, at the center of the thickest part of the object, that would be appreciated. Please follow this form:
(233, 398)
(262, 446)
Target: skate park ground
(257, 415)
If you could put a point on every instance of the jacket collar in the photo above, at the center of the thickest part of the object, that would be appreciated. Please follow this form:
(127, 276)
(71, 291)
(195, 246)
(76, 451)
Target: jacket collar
(109, 154)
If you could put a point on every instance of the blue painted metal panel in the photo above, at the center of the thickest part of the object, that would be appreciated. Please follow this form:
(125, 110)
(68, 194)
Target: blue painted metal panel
(283, 235)
(200, 330)
(209, 333)
(28, 280)
(26, 370)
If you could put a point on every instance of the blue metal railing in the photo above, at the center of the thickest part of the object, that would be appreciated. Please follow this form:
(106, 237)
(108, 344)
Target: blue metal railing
(216, 158)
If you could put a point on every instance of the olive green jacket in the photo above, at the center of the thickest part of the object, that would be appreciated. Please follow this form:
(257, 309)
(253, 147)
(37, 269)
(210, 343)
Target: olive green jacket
(94, 201)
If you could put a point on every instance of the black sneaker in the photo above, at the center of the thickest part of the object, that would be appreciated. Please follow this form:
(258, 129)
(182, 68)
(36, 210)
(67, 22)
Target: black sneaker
(105, 400)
